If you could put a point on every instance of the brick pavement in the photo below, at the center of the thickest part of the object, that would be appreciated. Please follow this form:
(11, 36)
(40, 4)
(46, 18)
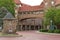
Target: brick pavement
(32, 35)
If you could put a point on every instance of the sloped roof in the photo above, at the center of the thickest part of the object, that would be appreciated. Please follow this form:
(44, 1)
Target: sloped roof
(9, 16)
(57, 2)
(25, 7)
(31, 8)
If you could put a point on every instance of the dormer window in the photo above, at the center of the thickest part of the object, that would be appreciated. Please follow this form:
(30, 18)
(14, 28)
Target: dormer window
(52, 2)
(46, 4)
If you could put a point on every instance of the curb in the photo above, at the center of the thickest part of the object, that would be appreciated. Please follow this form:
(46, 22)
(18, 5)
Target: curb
(48, 33)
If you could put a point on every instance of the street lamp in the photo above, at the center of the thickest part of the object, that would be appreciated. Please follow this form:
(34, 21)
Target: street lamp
(51, 25)
(51, 21)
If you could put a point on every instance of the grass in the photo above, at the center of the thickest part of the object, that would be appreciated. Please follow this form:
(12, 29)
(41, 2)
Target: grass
(9, 35)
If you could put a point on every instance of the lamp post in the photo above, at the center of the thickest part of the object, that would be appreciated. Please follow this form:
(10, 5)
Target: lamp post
(51, 25)
(51, 22)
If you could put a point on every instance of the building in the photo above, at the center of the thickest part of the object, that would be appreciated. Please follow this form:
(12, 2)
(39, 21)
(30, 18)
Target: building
(31, 17)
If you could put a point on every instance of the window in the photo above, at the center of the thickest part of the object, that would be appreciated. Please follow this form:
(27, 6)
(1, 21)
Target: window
(24, 12)
(34, 12)
(41, 12)
(31, 12)
(20, 12)
(28, 12)
(52, 2)
(37, 12)
(46, 4)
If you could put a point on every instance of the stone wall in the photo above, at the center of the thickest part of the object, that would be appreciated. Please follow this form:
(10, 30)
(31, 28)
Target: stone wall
(9, 25)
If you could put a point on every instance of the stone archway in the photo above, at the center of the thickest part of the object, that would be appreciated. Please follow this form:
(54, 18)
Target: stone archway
(30, 24)
(23, 27)
(32, 27)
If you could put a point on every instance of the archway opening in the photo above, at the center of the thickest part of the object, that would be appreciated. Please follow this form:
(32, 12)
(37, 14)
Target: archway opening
(23, 27)
(27, 27)
(36, 27)
(32, 27)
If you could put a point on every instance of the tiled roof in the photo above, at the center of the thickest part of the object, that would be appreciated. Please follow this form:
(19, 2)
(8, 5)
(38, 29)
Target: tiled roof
(34, 8)
(31, 8)
(17, 2)
(25, 7)
(57, 2)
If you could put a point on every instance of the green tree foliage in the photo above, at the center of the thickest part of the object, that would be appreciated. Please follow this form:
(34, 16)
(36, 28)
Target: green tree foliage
(9, 4)
(52, 14)
(57, 17)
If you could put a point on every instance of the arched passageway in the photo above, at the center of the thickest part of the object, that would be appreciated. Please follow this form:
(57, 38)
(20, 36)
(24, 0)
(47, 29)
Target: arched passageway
(30, 24)
(27, 27)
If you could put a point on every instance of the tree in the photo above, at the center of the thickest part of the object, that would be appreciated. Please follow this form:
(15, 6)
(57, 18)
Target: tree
(52, 14)
(9, 4)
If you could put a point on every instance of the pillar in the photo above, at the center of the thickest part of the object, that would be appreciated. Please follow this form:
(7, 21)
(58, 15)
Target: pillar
(29, 27)
(38, 27)
(25, 27)
(21, 27)
(34, 27)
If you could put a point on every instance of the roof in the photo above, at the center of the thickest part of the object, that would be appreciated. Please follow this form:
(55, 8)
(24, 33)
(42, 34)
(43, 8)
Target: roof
(9, 16)
(17, 2)
(57, 2)
(25, 7)
(31, 8)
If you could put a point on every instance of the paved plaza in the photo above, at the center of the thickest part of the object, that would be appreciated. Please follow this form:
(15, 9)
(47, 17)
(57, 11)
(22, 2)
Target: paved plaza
(32, 35)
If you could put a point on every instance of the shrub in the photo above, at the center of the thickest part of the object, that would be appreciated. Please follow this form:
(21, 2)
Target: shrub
(43, 30)
(51, 31)
(56, 31)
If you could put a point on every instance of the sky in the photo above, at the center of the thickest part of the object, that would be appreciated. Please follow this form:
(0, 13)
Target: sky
(32, 2)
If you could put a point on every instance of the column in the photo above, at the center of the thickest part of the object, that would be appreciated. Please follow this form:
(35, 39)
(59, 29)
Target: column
(29, 27)
(25, 27)
(34, 27)
(21, 27)
(38, 27)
